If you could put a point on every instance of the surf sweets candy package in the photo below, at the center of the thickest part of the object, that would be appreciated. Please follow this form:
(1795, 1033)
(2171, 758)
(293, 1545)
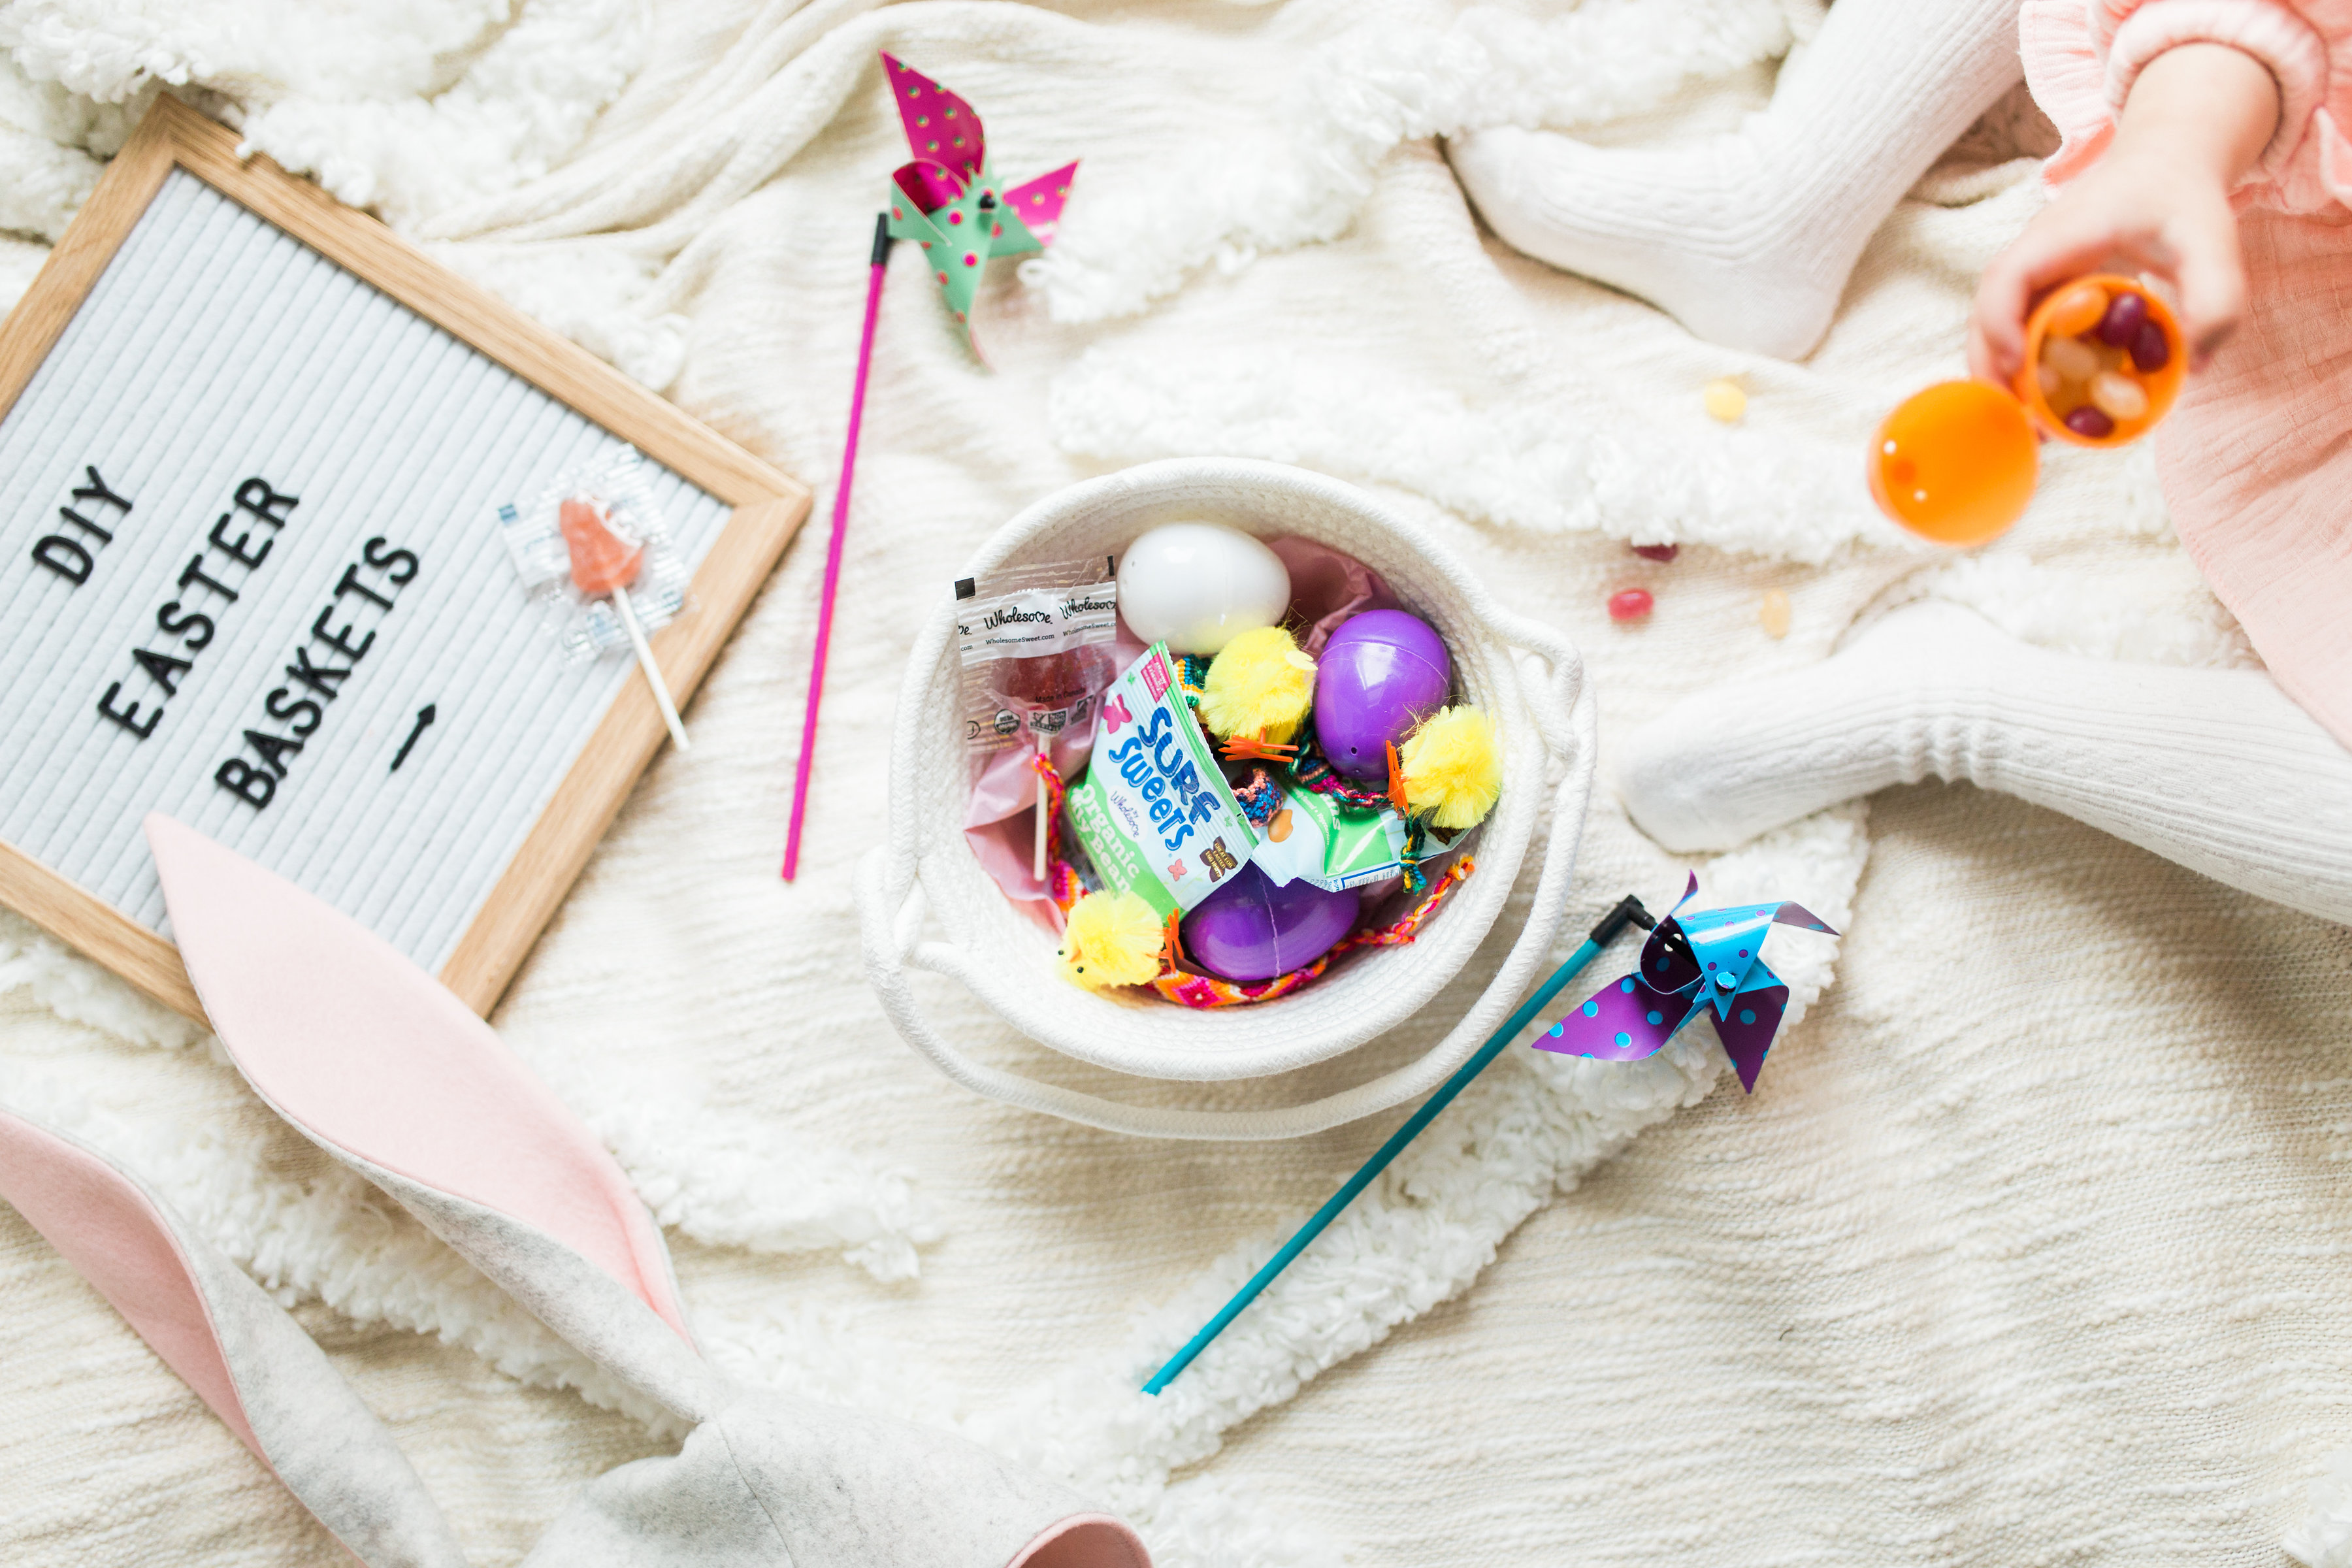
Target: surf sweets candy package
(1154, 811)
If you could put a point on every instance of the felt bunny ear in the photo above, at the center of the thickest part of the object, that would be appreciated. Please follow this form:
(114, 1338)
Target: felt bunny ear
(384, 1068)
(774, 1480)
(243, 1356)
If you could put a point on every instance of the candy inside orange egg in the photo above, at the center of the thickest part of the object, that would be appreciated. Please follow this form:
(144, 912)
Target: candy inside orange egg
(1955, 463)
(2102, 361)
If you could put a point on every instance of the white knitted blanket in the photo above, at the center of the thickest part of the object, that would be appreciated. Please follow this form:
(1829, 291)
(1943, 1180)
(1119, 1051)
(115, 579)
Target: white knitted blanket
(2030, 1249)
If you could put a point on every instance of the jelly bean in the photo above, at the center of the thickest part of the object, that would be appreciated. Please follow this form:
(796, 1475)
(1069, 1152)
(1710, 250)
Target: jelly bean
(2151, 351)
(1657, 552)
(1630, 605)
(2078, 310)
(2070, 357)
(2088, 421)
(2047, 375)
(2122, 322)
(2118, 395)
(1772, 613)
(1725, 400)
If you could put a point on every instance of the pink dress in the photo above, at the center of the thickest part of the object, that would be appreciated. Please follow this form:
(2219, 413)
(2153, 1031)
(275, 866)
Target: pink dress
(2256, 458)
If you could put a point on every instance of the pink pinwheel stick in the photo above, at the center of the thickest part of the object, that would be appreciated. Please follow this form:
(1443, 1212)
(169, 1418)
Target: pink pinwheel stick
(832, 549)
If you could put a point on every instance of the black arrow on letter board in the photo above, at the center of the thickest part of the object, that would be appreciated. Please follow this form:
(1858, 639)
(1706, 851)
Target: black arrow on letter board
(424, 717)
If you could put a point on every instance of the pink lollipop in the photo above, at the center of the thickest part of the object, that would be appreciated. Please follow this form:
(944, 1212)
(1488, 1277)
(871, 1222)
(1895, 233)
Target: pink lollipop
(604, 562)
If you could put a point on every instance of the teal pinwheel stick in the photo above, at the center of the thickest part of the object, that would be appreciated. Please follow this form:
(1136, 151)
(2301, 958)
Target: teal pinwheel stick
(1629, 911)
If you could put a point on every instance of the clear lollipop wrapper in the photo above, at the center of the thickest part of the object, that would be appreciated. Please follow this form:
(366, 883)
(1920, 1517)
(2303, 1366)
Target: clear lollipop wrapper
(1035, 642)
(595, 535)
(595, 551)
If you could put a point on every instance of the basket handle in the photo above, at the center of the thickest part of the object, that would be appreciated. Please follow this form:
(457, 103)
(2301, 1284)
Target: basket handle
(891, 907)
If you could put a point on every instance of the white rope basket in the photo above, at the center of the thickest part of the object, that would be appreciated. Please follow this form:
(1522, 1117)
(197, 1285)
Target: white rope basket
(1526, 677)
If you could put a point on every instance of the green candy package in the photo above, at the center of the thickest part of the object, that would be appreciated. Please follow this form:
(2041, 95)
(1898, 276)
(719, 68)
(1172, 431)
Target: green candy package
(1154, 811)
(1329, 843)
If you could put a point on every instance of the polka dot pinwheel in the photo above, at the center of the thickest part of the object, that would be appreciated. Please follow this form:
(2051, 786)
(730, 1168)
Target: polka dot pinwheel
(951, 203)
(1708, 957)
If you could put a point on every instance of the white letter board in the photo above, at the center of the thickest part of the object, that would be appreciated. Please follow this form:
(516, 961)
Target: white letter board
(313, 428)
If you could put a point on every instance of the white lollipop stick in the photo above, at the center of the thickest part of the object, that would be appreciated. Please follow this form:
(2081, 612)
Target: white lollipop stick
(1039, 872)
(652, 671)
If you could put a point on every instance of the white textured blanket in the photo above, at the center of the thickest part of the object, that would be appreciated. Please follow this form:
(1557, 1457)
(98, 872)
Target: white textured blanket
(2030, 1248)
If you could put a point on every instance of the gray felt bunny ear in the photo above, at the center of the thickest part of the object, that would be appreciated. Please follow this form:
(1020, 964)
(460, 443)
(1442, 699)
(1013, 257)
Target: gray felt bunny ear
(242, 1354)
(387, 1071)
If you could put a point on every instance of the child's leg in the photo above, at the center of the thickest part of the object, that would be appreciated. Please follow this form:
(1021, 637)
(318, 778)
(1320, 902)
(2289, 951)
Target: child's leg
(1747, 238)
(2216, 770)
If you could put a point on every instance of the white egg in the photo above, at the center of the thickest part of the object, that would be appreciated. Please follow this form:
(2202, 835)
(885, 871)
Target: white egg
(1198, 586)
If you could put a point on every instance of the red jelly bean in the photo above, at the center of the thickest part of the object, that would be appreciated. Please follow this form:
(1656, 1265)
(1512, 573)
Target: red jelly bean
(1630, 605)
(2089, 421)
(2123, 319)
(1657, 552)
(2152, 349)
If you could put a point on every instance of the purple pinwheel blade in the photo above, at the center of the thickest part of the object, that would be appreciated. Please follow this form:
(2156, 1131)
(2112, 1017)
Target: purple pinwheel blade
(1667, 961)
(1622, 1022)
(1747, 1029)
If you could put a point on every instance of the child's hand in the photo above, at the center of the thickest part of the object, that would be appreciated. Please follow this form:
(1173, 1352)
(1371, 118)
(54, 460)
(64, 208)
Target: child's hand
(2157, 200)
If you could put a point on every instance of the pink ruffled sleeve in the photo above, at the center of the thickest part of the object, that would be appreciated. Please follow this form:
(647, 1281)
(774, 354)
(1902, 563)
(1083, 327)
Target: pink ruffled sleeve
(2082, 55)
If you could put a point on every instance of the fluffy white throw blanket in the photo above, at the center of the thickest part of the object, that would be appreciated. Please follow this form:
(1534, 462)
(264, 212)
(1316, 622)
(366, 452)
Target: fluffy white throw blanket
(2029, 1248)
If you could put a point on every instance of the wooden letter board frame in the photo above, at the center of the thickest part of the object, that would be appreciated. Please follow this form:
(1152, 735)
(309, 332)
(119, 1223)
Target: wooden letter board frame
(768, 509)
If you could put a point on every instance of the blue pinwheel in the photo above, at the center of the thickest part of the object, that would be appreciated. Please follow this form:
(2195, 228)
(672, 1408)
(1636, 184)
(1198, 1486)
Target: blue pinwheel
(1708, 956)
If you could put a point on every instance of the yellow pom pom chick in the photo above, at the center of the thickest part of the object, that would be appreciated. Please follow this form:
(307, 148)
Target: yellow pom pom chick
(1260, 685)
(1111, 939)
(1453, 768)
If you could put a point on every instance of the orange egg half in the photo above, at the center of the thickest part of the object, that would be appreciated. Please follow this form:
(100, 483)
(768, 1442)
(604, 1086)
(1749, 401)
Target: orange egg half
(1955, 463)
(2053, 315)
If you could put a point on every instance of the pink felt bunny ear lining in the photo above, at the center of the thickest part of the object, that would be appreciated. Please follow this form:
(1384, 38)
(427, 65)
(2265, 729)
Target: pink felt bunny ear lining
(119, 1241)
(369, 1055)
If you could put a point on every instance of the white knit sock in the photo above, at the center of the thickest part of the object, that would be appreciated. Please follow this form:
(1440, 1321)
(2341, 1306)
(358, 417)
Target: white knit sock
(1747, 238)
(2214, 769)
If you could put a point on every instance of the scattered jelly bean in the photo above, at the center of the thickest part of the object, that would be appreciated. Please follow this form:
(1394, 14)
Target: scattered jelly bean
(1772, 613)
(2151, 351)
(2077, 310)
(1726, 400)
(2122, 322)
(2118, 395)
(1630, 604)
(2089, 421)
(1657, 552)
(2071, 358)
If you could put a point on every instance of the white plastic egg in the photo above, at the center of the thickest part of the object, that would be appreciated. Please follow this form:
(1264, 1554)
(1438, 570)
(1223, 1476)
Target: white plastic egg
(1198, 586)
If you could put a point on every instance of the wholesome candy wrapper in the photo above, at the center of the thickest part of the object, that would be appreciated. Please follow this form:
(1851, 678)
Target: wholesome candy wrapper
(1035, 642)
(1154, 811)
(588, 524)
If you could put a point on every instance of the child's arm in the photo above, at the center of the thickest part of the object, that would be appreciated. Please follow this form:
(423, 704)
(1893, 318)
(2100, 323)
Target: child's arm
(2157, 201)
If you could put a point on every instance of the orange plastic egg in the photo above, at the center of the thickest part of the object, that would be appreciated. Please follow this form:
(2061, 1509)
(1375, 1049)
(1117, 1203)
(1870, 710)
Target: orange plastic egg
(2054, 322)
(1956, 463)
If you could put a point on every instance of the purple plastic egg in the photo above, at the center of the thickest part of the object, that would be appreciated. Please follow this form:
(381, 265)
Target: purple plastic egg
(2091, 421)
(1381, 674)
(2122, 322)
(1251, 930)
(2152, 349)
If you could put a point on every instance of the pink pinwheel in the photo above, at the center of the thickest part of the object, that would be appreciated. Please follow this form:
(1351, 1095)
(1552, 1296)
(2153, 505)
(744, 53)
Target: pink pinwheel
(951, 203)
